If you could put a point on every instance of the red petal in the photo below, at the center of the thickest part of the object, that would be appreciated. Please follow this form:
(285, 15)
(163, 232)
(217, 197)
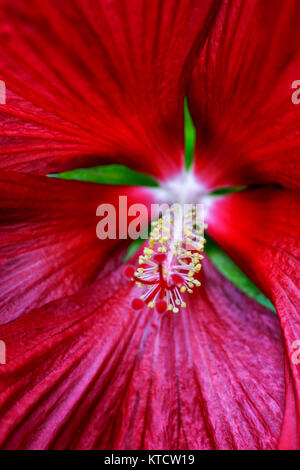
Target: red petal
(48, 246)
(88, 372)
(95, 81)
(248, 129)
(261, 230)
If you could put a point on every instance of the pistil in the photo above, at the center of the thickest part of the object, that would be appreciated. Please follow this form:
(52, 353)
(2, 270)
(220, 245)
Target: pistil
(171, 261)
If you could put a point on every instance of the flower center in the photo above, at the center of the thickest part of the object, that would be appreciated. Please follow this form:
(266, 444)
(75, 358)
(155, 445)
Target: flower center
(184, 188)
(171, 261)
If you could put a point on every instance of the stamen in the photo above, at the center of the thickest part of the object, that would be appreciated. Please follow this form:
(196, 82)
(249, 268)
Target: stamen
(170, 264)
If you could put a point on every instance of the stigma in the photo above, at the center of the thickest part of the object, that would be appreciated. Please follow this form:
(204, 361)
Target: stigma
(168, 269)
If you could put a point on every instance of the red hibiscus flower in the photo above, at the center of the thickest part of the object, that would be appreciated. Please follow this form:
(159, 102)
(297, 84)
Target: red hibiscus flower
(90, 82)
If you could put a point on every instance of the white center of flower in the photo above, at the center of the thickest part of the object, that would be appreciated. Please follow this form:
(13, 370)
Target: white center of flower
(184, 189)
